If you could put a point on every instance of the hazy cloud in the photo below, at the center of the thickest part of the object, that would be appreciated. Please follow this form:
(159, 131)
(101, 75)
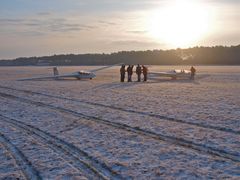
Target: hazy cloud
(46, 25)
(135, 43)
(44, 13)
(107, 22)
(5, 21)
(31, 26)
(137, 32)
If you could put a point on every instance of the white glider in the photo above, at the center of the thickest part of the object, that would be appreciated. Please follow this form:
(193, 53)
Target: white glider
(174, 74)
(78, 75)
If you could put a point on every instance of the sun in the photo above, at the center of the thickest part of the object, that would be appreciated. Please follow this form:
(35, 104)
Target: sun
(180, 24)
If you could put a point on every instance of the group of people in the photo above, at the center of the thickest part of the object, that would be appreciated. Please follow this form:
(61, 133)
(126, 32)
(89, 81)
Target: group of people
(139, 70)
(142, 70)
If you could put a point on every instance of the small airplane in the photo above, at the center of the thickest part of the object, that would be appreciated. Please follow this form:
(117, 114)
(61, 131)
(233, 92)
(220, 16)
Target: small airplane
(78, 75)
(174, 74)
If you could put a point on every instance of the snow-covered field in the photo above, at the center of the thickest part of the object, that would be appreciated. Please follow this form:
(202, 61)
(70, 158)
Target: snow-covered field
(104, 129)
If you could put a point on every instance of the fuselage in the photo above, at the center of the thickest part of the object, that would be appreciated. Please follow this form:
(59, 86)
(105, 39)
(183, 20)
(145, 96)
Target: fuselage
(174, 74)
(84, 75)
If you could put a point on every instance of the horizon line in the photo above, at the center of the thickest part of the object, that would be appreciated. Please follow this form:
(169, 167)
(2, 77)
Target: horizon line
(92, 53)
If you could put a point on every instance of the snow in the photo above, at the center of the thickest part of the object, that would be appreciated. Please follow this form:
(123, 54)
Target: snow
(105, 129)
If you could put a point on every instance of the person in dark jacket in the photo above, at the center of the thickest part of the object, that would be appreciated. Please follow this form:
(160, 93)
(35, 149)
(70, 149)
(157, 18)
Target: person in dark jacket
(193, 72)
(122, 73)
(130, 72)
(138, 72)
(145, 72)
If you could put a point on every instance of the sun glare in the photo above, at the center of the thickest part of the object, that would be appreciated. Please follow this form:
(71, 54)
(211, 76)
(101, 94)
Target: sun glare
(180, 24)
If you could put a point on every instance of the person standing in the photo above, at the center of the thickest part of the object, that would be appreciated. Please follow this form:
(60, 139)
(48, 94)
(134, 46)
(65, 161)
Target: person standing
(130, 72)
(138, 72)
(145, 72)
(122, 73)
(132, 66)
(193, 72)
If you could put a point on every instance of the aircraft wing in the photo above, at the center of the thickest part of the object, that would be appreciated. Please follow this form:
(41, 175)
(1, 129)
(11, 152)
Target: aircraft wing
(105, 67)
(163, 74)
(37, 78)
(173, 74)
(48, 77)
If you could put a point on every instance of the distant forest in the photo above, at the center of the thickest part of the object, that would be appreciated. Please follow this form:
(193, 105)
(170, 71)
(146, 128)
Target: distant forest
(217, 55)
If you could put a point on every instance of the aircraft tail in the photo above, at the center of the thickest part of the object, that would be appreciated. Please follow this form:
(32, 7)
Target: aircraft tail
(55, 71)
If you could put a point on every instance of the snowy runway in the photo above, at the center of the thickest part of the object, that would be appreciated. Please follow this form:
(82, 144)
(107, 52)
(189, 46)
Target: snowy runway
(109, 130)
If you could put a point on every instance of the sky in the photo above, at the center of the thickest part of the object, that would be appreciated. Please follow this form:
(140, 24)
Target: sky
(48, 27)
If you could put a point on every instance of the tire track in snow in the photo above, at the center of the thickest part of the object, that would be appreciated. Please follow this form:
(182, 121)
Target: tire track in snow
(28, 170)
(158, 136)
(165, 118)
(9, 167)
(78, 157)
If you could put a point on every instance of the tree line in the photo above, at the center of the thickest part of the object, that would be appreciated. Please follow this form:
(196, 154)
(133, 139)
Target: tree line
(217, 55)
